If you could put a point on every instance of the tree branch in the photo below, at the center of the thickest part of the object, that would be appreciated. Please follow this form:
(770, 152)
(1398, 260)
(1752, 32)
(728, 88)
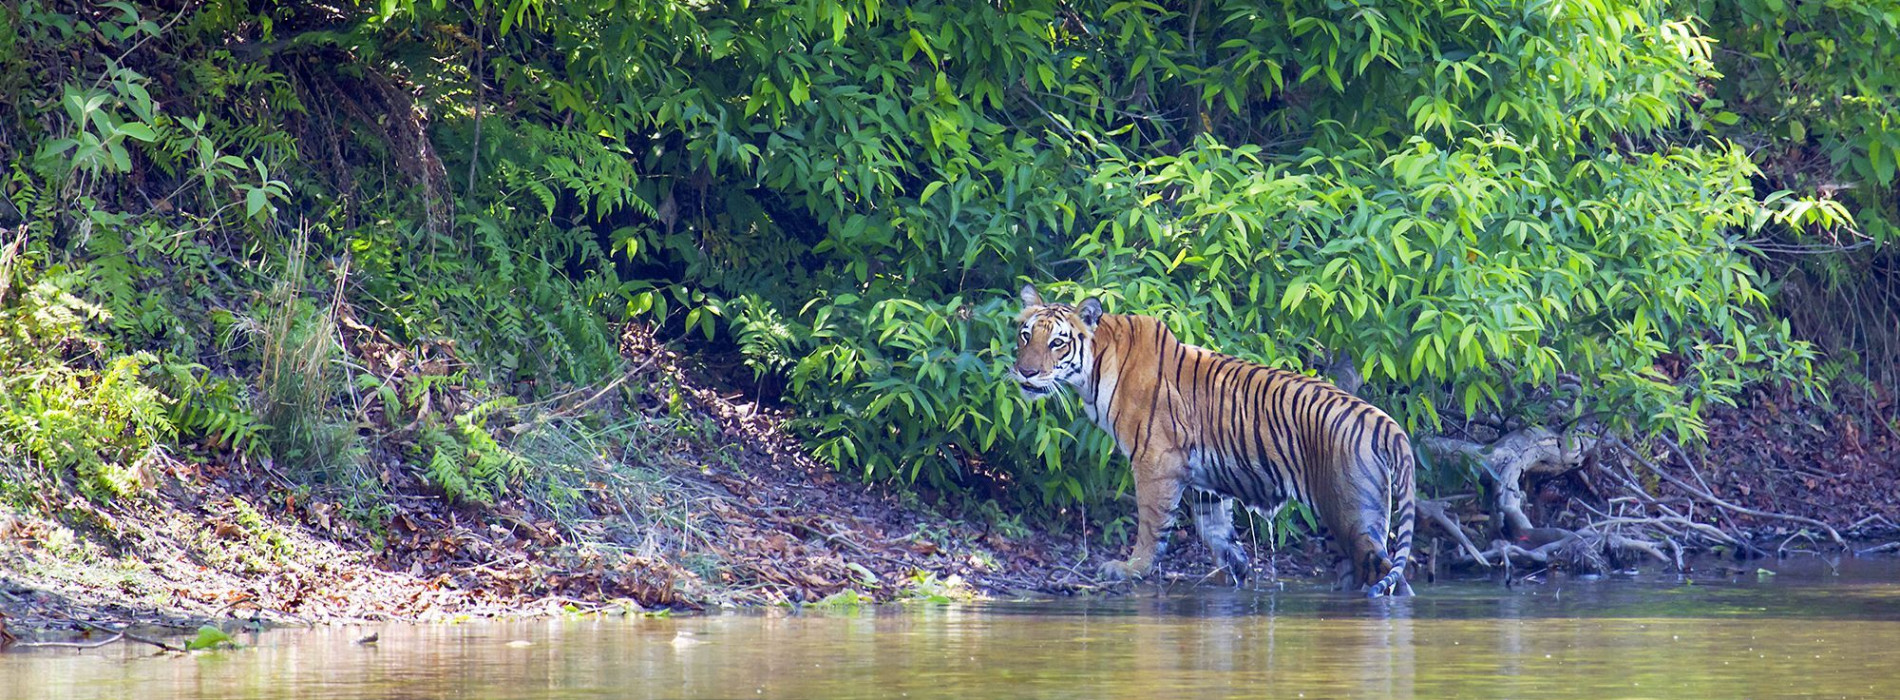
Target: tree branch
(1703, 494)
(1533, 450)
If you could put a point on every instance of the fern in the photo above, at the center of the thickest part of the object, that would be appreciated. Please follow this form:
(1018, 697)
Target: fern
(468, 464)
(214, 410)
(97, 426)
(445, 457)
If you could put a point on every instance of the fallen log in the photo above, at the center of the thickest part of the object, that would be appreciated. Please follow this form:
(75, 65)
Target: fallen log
(1533, 451)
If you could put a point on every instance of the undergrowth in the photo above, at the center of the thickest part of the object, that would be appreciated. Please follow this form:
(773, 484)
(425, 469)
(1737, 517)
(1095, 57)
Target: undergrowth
(369, 246)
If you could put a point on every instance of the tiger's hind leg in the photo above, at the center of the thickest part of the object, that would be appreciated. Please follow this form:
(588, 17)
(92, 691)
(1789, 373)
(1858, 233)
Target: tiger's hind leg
(1358, 534)
(1214, 518)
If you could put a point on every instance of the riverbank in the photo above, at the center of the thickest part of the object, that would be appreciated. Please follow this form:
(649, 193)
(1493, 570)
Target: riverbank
(707, 502)
(703, 500)
(696, 498)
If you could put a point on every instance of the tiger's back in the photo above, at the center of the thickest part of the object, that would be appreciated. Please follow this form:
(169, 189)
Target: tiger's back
(1194, 421)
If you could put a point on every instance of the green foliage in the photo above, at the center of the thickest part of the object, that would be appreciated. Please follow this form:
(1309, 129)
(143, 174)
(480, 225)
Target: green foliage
(100, 427)
(1464, 274)
(210, 637)
(1814, 89)
(1534, 209)
(925, 587)
(1821, 82)
(97, 425)
(1291, 523)
(465, 460)
(1494, 206)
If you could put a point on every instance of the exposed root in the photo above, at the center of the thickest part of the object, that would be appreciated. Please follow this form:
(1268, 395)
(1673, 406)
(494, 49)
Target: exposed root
(1533, 451)
(1704, 495)
(1579, 551)
(1634, 522)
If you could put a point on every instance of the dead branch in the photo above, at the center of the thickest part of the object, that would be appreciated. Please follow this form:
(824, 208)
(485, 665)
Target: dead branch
(1530, 451)
(1878, 549)
(73, 645)
(1712, 498)
(1434, 512)
(1648, 548)
(1343, 371)
(129, 636)
(116, 635)
(1667, 523)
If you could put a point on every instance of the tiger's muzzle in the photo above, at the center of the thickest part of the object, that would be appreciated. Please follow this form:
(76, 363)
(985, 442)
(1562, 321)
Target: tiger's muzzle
(1035, 385)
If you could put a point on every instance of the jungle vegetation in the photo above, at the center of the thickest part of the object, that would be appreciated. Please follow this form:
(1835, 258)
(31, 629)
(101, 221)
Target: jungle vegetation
(1520, 212)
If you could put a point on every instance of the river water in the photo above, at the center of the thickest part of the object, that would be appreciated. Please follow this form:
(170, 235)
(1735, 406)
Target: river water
(1813, 629)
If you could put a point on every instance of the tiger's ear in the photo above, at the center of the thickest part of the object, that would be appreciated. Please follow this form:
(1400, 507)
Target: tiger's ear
(1029, 296)
(1091, 311)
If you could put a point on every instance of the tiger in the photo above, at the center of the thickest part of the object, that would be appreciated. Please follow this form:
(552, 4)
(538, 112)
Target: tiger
(1189, 419)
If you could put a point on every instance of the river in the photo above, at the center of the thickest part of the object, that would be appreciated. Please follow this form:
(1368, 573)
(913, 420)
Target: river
(1812, 629)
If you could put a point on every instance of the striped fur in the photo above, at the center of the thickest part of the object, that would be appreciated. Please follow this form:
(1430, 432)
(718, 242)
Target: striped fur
(1191, 420)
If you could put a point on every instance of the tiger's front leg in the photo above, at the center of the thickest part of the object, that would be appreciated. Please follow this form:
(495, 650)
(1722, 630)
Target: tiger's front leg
(1214, 518)
(1158, 485)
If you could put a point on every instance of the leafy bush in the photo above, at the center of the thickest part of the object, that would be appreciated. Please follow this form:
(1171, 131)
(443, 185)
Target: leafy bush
(1530, 209)
(1482, 202)
(1814, 89)
(97, 426)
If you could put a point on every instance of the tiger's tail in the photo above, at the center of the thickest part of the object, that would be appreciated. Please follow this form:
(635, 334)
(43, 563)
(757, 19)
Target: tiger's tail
(1399, 474)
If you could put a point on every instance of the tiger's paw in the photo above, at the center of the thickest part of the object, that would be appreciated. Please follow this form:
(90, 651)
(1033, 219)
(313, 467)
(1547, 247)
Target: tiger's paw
(1123, 570)
(1237, 565)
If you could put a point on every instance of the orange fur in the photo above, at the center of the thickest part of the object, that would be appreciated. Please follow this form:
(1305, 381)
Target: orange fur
(1190, 419)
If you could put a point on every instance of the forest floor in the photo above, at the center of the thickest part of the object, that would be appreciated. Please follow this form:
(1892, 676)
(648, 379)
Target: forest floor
(737, 514)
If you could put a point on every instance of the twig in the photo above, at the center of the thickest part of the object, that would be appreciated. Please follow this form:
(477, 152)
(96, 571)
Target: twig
(73, 645)
(1858, 524)
(1697, 473)
(1878, 549)
(1782, 548)
(1712, 498)
(642, 367)
(182, 9)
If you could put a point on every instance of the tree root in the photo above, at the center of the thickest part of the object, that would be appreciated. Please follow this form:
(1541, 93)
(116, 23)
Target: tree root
(1580, 551)
(1527, 452)
(1633, 522)
(1435, 513)
(1716, 500)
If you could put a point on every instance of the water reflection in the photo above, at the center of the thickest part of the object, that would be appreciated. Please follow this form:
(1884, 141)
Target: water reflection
(1737, 637)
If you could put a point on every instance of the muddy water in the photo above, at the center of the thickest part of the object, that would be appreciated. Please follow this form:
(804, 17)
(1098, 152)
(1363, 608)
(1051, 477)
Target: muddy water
(1812, 630)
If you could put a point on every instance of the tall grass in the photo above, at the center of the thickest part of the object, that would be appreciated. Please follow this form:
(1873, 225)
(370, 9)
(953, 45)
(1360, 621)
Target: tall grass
(300, 360)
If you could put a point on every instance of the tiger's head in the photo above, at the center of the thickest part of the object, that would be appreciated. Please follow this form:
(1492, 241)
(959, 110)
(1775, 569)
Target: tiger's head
(1053, 344)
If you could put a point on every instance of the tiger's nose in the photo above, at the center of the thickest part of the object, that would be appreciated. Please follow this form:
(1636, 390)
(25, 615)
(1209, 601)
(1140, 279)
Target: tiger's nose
(1026, 372)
